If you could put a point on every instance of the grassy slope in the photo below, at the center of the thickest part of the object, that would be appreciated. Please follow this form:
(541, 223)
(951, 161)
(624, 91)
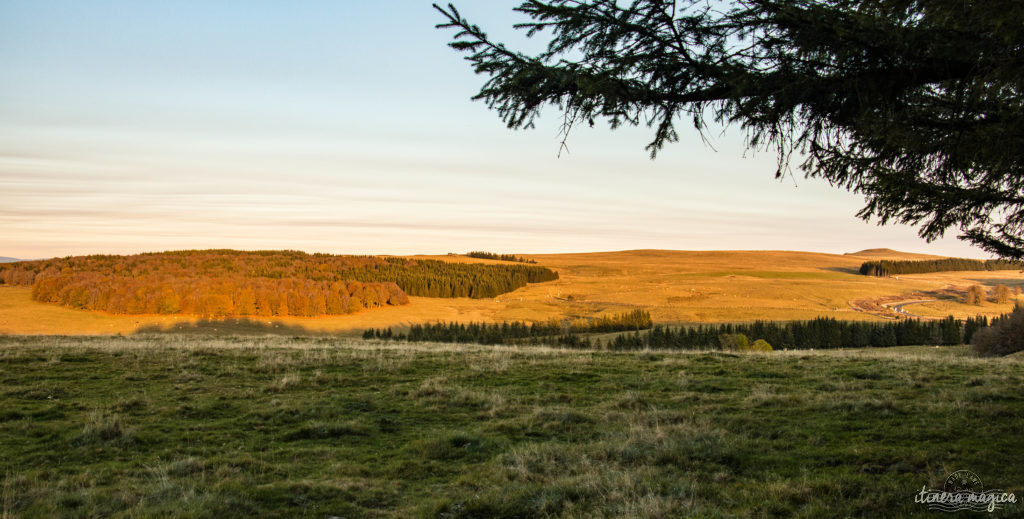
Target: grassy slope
(675, 286)
(235, 427)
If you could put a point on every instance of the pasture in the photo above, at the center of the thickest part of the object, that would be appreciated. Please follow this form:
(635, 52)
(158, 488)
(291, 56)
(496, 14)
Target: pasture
(676, 287)
(194, 426)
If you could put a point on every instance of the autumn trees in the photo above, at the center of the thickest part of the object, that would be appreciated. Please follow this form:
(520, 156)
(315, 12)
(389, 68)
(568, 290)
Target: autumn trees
(224, 283)
(975, 295)
(218, 297)
(1003, 294)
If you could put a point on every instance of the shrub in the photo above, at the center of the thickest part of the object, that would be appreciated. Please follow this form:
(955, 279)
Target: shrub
(734, 341)
(1004, 336)
(1003, 294)
(975, 295)
(761, 345)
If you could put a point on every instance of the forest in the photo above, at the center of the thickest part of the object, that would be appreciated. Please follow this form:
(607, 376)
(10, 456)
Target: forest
(821, 333)
(515, 332)
(225, 283)
(882, 268)
(500, 257)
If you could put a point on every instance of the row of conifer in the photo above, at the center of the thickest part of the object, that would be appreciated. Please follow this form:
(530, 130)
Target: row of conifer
(882, 268)
(479, 254)
(553, 330)
(821, 333)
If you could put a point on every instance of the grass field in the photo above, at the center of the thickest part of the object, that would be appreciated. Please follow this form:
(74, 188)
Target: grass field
(191, 426)
(674, 286)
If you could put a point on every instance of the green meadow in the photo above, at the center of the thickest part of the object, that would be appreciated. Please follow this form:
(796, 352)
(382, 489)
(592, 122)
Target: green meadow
(193, 426)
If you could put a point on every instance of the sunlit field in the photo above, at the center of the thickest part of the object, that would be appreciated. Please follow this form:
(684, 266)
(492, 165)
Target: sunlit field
(196, 426)
(674, 286)
(328, 260)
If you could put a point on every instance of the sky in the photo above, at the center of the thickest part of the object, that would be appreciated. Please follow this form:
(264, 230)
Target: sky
(346, 127)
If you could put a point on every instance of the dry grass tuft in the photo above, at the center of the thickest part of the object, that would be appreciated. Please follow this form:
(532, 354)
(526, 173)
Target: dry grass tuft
(102, 427)
(285, 383)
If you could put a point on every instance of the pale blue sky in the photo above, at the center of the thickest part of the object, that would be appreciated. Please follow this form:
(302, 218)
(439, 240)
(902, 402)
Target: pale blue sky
(346, 126)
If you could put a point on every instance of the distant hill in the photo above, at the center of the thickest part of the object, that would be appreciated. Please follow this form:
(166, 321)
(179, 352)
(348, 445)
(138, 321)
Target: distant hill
(873, 252)
(5, 259)
(891, 254)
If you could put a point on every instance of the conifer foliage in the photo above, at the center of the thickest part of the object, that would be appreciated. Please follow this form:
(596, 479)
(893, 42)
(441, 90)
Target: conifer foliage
(916, 105)
(557, 331)
(883, 268)
(500, 257)
(258, 283)
(821, 333)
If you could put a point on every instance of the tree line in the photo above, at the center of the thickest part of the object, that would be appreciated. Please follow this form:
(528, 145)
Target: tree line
(257, 283)
(821, 333)
(433, 278)
(560, 331)
(501, 257)
(882, 268)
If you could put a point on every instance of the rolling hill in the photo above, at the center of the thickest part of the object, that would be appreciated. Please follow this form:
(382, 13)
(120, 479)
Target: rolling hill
(674, 286)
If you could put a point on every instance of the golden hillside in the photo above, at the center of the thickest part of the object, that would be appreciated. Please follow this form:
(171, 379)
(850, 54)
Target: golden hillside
(675, 286)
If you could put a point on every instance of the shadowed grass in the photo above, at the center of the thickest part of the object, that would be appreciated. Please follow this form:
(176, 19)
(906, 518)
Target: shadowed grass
(188, 426)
